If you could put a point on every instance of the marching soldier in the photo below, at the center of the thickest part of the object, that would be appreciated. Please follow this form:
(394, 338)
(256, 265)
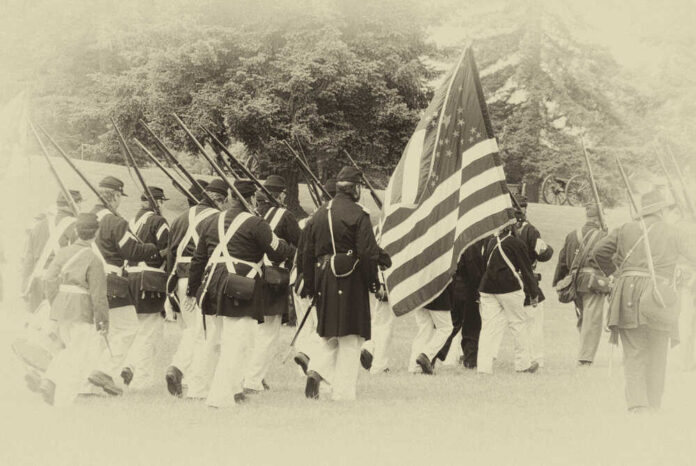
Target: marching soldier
(115, 244)
(434, 322)
(284, 226)
(538, 251)
(227, 278)
(643, 308)
(307, 339)
(340, 266)
(589, 305)
(508, 278)
(52, 231)
(198, 350)
(148, 285)
(183, 239)
(76, 287)
(465, 311)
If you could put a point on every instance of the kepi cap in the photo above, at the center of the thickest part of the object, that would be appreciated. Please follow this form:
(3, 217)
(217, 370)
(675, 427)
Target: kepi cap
(245, 187)
(157, 193)
(652, 202)
(86, 222)
(217, 186)
(275, 183)
(111, 182)
(348, 174)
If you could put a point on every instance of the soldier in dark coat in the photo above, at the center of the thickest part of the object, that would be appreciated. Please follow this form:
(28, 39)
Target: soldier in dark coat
(340, 266)
(147, 282)
(284, 225)
(538, 251)
(115, 244)
(644, 324)
(183, 239)
(589, 304)
(307, 340)
(506, 281)
(227, 278)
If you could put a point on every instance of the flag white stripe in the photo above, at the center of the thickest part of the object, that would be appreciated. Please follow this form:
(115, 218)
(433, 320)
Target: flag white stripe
(425, 275)
(443, 190)
(412, 171)
(444, 224)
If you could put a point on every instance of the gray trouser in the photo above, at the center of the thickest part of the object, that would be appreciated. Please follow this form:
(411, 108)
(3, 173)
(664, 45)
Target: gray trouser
(645, 362)
(590, 325)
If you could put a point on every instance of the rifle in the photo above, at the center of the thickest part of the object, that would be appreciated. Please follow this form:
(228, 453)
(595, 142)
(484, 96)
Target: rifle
(311, 188)
(215, 166)
(314, 190)
(595, 191)
(373, 192)
(81, 175)
(307, 170)
(244, 169)
(670, 182)
(130, 159)
(66, 192)
(299, 329)
(169, 174)
(182, 169)
(687, 195)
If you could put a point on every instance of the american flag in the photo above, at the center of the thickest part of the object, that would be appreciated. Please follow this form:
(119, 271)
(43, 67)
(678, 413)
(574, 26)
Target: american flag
(447, 191)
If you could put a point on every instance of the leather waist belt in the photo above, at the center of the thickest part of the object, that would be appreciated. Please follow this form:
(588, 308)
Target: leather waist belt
(72, 289)
(231, 261)
(142, 268)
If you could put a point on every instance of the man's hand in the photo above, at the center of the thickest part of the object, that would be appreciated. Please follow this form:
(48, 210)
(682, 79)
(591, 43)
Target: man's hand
(189, 304)
(381, 294)
(534, 301)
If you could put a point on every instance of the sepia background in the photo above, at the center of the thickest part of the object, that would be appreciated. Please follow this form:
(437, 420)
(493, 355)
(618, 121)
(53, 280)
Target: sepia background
(353, 75)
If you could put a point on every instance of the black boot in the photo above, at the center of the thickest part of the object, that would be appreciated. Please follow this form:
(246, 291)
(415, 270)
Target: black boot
(312, 387)
(173, 378)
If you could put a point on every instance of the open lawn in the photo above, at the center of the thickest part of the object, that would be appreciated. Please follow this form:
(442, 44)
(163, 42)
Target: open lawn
(561, 415)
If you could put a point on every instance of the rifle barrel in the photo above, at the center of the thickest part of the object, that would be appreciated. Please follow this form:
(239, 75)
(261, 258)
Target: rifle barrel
(687, 195)
(215, 166)
(372, 189)
(169, 174)
(244, 169)
(77, 170)
(182, 169)
(129, 158)
(66, 192)
(307, 169)
(593, 184)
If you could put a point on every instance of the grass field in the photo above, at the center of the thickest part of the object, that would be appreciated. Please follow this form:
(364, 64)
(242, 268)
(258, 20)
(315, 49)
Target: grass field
(561, 415)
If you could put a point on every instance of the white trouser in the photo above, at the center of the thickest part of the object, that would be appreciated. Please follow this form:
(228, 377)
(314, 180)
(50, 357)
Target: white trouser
(235, 340)
(434, 327)
(307, 340)
(499, 311)
(123, 326)
(71, 366)
(264, 340)
(382, 323)
(148, 340)
(206, 352)
(537, 333)
(338, 362)
(190, 323)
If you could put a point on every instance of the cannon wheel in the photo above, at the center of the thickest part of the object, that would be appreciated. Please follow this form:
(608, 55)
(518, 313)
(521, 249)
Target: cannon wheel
(552, 191)
(578, 190)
